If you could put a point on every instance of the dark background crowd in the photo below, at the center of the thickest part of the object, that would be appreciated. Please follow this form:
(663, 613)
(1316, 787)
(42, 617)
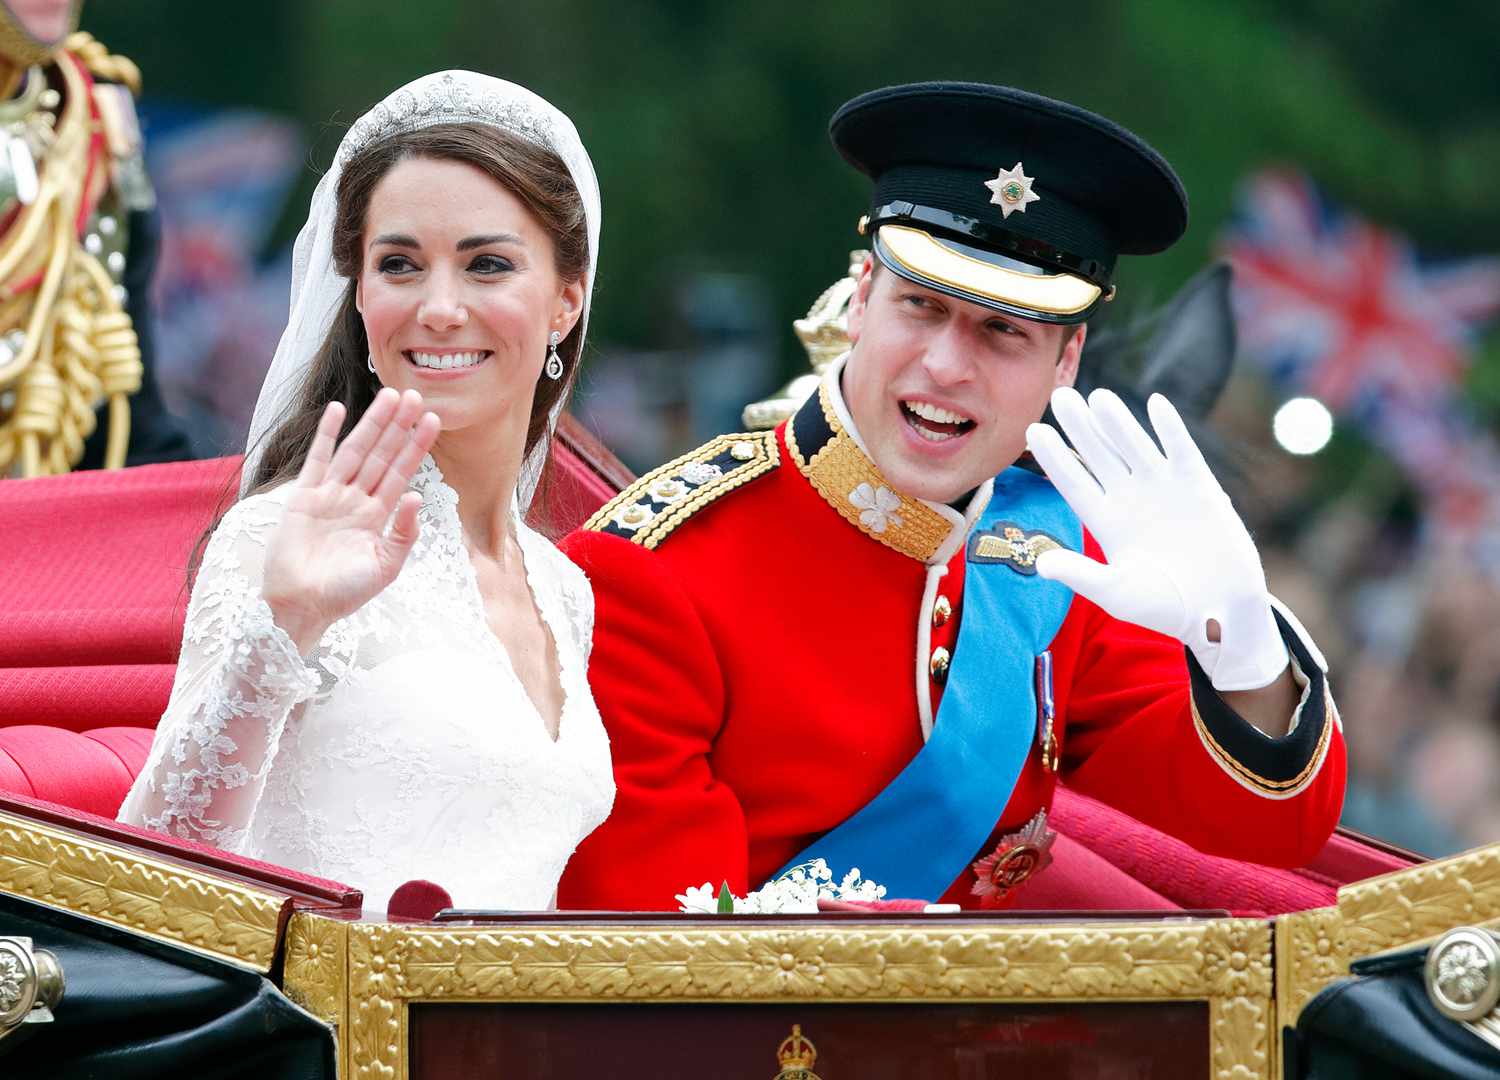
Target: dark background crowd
(1341, 154)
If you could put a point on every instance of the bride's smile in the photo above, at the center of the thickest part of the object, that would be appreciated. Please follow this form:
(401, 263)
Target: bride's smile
(437, 360)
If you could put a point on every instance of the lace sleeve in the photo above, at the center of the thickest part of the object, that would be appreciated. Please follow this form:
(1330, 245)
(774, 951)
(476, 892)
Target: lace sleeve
(238, 679)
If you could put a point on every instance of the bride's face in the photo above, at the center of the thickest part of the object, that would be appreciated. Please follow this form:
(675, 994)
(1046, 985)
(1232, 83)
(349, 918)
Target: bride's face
(459, 293)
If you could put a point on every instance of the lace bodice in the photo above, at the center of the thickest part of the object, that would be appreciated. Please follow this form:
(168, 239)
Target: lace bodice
(404, 747)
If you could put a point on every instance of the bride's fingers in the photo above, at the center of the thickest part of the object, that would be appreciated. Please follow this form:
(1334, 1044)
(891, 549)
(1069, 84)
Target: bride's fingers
(315, 465)
(357, 444)
(391, 440)
(404, 467)
(404, 527)
(428, 428)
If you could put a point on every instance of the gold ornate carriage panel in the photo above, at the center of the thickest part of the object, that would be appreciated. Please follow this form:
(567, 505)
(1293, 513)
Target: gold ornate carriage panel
(933, 996)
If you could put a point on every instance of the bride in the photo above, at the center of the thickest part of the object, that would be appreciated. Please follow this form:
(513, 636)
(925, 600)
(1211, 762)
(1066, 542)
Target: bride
(383, 672)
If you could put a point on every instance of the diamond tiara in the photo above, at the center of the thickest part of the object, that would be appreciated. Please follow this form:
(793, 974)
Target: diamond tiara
(445, 101)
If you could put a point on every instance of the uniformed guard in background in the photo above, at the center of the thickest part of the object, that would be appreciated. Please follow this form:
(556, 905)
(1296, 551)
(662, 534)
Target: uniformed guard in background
(78, 238)
(880, 634)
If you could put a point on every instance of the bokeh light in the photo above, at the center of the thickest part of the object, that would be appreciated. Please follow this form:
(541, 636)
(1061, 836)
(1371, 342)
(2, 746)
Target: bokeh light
(1302, 426)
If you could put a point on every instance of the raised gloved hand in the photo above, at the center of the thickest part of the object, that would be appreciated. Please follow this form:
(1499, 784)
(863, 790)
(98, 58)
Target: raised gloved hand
(1179, 556)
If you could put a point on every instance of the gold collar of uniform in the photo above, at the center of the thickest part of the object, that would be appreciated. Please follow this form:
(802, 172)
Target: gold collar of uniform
(848, 480)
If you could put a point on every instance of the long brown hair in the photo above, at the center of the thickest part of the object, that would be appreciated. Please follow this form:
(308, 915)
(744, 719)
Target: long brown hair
(339, 370)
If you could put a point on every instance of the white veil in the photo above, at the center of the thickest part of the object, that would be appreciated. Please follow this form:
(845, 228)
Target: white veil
(444, 97)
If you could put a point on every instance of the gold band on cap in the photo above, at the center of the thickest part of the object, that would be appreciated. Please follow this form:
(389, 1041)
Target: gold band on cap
(925, 257)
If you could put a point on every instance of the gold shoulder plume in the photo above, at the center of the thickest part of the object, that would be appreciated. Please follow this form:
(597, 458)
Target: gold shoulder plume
(103, 63)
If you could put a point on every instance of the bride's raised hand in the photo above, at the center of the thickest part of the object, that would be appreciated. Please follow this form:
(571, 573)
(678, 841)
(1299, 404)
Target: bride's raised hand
(331, 552)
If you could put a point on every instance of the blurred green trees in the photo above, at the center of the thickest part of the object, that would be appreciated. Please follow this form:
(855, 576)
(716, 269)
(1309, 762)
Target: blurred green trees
(707, 121)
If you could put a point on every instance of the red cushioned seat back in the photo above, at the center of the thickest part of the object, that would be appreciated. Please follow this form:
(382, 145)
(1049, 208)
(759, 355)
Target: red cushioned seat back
(94, 576)
(1105, 859)
(89, 771)
(93, 588)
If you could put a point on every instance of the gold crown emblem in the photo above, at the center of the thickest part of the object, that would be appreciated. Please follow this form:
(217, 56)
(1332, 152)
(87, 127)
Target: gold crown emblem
(796, 1055)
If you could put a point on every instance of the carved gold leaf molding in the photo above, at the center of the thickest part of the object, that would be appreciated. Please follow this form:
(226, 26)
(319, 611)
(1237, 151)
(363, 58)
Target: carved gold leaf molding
(215, 916)
(316, 973)
(1413, 905)
(1312, 950)
(1225, 962)
(1393, 911)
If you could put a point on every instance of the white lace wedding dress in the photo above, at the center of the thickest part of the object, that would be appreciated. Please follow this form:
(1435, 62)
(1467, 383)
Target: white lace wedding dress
(404, 747)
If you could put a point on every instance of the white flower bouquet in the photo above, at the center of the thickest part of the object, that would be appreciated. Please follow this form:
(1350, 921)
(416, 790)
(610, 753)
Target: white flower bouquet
(793, 892)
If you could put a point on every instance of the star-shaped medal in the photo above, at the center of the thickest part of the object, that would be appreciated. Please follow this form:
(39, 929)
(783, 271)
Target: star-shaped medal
(1011, 190)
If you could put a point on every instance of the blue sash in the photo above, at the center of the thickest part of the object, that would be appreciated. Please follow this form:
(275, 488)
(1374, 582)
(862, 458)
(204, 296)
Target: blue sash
(919, 834)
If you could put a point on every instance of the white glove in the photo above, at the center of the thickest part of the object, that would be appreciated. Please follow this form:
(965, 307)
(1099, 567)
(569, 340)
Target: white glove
(1178, 553)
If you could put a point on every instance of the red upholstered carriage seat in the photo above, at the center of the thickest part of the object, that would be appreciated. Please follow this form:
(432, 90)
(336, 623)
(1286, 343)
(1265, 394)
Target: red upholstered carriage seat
(1102, 858)
(93, 589)
(92, 598)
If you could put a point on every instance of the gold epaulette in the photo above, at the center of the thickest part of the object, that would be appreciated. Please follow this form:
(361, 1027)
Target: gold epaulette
(648, 510)
(103, 63)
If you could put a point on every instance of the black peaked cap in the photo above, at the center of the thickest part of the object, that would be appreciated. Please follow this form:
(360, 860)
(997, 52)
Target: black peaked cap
(1102, 191)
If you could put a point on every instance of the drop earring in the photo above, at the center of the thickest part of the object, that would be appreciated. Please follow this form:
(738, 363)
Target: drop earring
(554, 368)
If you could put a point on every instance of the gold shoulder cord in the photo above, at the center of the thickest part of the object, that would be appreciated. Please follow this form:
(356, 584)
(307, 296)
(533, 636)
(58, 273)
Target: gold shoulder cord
(71, 345)
(103, 63)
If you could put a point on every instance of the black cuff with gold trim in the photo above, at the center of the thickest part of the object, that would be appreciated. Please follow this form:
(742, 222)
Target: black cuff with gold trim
(1277, 768)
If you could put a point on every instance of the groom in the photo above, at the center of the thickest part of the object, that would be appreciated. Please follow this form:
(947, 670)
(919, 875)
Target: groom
(882, 633)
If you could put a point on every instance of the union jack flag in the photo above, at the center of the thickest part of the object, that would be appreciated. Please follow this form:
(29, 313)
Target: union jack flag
(1342, 310)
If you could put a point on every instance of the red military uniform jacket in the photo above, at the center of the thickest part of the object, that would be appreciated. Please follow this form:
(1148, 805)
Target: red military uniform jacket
(770, 647)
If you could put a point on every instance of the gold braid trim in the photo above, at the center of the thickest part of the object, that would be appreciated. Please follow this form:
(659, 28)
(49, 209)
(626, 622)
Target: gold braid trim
(103, 63)
(667, 496)
(79, 347)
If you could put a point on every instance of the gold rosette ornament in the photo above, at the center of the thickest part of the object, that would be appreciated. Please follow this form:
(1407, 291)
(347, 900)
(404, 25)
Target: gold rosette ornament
(66, 343)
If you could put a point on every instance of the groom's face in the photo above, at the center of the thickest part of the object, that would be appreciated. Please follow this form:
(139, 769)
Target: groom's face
(942, 390)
